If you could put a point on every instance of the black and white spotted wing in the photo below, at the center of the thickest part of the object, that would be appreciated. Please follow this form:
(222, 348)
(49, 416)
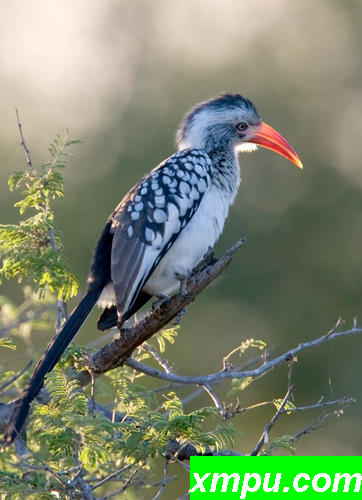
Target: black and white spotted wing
(149, 218)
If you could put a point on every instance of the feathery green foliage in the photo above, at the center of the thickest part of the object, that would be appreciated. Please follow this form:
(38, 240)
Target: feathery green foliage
(285, 442)
(32, 249)
(166, 335)
(68, 433)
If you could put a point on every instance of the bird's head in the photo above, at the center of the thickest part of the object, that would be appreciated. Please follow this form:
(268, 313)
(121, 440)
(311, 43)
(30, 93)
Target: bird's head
(230, 121)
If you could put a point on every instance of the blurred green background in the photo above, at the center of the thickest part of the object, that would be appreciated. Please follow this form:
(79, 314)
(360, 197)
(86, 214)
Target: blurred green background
(120, 75)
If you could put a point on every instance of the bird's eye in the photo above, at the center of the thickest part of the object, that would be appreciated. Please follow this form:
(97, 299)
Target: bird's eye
(241, 126)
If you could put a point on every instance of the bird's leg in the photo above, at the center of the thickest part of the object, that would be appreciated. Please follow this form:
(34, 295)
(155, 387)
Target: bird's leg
(183, 284)
(183, 291)
(119, 321)
(162, 298)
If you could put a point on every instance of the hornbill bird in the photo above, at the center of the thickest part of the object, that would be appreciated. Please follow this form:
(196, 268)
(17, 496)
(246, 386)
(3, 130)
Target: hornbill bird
(164, 225)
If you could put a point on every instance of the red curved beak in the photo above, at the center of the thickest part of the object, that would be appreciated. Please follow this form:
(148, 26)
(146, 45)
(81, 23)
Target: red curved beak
(269, 138)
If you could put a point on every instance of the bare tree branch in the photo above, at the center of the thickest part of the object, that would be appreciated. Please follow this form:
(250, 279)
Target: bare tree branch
(227, 374)
(321, 404)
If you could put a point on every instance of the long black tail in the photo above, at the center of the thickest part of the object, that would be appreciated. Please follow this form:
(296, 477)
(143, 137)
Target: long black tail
(49, 359)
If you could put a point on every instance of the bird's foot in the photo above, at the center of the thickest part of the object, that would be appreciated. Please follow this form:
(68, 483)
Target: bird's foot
(209, 257)
(161, 300)
(183, 285)
(179, 317)
(207, 260)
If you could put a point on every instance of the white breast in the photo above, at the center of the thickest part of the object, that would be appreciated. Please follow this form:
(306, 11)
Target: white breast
(192, 243)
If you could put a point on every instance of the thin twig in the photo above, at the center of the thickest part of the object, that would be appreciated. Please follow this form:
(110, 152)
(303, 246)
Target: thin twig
(125, 486)
(321, 404)
(192, 395)
(111, 476)
(26, 150)
(340, 322)
(93, 389)
(322, 417)
(232, 410)
(265, 436)
(291, 362)
(61, 310)
(186, 467)
(164, 483)
(241, 349)
(186, 496)
(15, 377)
(44, 466)
(313, 426)
(114, 411)
(155, 354)
(215, 400)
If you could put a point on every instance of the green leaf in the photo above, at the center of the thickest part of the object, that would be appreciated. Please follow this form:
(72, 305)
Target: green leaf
(288, 406)
(7, 342)
(239, 384)
(74, 141)
(168, 335)
(285, 442)
(15, 179)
